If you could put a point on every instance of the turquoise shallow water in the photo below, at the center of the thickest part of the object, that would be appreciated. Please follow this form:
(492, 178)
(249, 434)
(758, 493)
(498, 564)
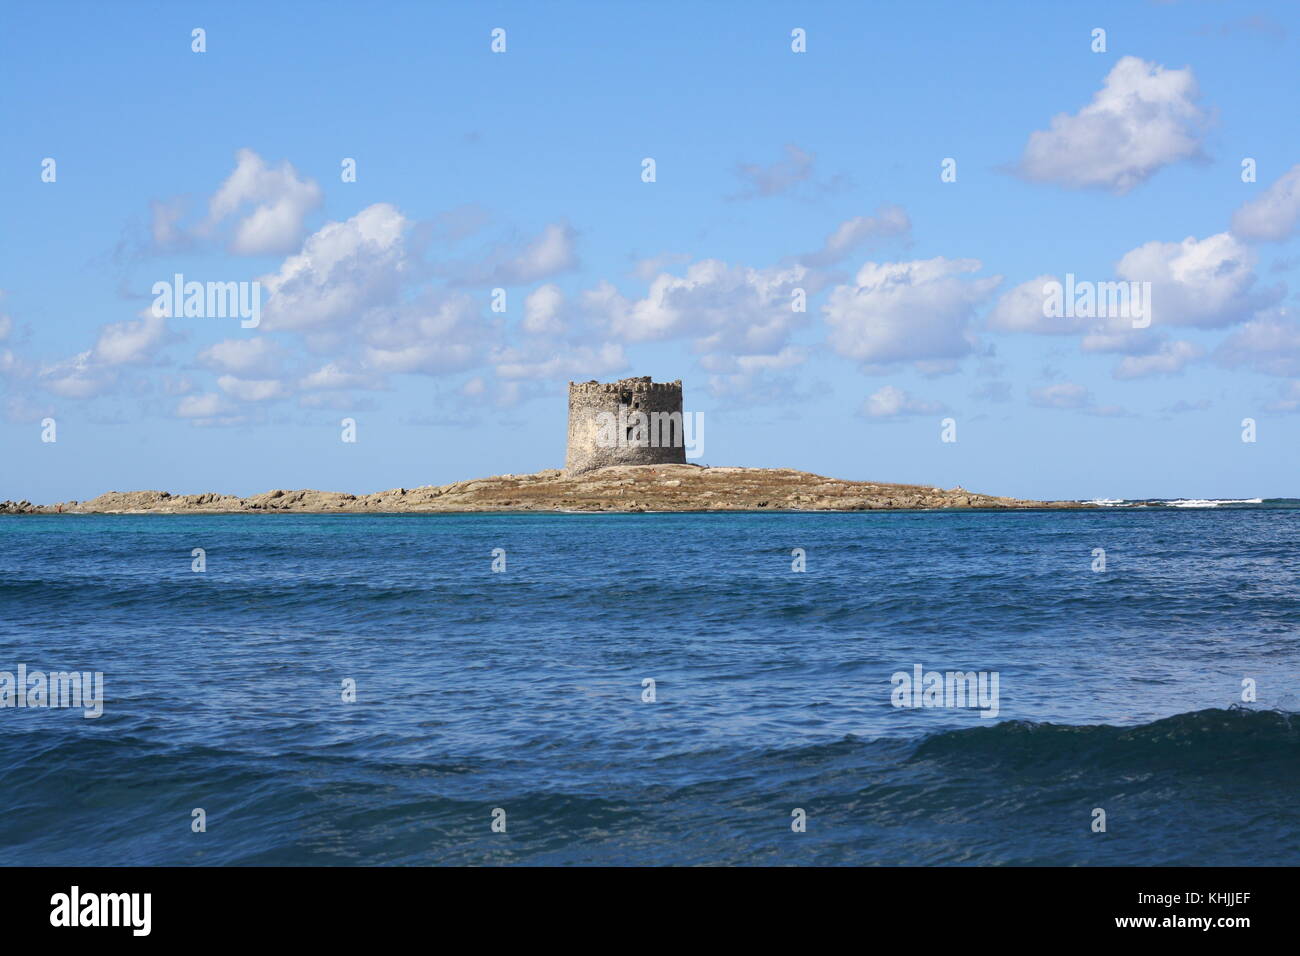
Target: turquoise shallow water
(523, 690)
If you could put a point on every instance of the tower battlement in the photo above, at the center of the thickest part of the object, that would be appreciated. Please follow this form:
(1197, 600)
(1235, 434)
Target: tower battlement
(639, 384)
(620, 423)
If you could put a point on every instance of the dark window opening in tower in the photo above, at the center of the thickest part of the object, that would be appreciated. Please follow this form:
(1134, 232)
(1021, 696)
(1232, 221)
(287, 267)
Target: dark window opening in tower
(625, 397)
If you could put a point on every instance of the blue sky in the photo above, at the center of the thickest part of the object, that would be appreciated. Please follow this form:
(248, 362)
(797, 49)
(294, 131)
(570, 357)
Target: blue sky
(774, 171)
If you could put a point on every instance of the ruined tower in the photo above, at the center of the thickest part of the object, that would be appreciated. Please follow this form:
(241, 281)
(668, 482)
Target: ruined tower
(633, 421)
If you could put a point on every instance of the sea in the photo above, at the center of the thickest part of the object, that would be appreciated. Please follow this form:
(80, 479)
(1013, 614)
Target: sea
(656, 689)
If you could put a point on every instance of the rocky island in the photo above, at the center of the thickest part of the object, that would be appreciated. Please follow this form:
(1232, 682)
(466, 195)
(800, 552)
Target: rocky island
(616, 488)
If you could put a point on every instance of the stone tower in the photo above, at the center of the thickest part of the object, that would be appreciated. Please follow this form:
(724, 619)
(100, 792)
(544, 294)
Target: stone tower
(633, 421)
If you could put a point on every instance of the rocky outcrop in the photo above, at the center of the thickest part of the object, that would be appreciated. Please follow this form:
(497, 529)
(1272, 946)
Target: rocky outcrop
(621, 488)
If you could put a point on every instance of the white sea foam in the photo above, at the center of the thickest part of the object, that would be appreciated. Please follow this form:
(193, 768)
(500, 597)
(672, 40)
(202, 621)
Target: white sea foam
(1169, 502)
(1211, 502)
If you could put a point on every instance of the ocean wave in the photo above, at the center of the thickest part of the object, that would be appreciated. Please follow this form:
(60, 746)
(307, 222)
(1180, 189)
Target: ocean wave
(1015, 792)
(1216, 739)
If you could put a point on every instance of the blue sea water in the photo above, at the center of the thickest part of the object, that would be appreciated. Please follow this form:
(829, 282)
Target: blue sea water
(523, 690)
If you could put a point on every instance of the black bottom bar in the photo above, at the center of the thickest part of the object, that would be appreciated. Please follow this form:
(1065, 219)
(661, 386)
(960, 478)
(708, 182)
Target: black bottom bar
(338, 905)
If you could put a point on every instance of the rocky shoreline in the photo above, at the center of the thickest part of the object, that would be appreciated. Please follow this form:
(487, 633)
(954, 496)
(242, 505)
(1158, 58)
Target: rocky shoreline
(625, 488)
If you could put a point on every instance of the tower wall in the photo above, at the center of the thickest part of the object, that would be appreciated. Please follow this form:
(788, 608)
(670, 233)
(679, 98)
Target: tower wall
(589, 446)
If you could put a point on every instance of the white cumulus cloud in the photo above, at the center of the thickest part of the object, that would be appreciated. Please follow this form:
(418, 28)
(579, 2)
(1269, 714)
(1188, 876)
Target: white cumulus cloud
(78, 377)
(130, 343)
(1169, 358)
(1268, 343)
(889, 221)
(892, 402)
(723, 308)
(343, 269)
(1274, 215)
(549, 253)
(1143, 118)
(1061, 395)
(253, 356)
(207, 405)
(907, 311)
(542, 310)
(1201, 283)
(271, 203)
(251, 390)
(1020, 309)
